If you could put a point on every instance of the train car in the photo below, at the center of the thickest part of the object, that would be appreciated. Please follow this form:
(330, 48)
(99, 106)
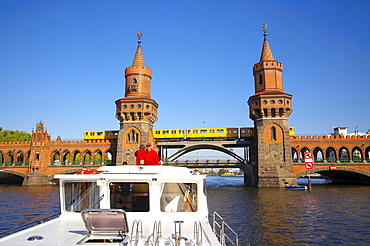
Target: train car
(168, 134)
(211, 133)
(101, 134)
(189, 134)
(249, 132)
(245, 132)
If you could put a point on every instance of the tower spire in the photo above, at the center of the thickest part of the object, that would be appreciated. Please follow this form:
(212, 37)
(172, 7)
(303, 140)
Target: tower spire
(266, 54)
(139, 58)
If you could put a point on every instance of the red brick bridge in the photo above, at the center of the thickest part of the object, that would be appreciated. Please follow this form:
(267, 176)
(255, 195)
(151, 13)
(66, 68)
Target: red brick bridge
(341, 158)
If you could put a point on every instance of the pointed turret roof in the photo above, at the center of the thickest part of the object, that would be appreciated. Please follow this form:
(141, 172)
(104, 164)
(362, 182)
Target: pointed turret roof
(266, 54)
(139, 58)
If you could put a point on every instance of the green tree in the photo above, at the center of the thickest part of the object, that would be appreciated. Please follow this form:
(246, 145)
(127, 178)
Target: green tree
(222, 172)
(10, 135)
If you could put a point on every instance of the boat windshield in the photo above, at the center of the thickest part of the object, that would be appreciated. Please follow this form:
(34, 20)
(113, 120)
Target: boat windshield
(130, 196)
(179, 197)
(81, 195)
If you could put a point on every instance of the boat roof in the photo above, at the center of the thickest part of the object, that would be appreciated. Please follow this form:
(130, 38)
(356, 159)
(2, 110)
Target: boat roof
(145, 171)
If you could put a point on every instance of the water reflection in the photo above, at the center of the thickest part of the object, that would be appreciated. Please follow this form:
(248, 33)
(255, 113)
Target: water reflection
(270, 216)
(23, 204)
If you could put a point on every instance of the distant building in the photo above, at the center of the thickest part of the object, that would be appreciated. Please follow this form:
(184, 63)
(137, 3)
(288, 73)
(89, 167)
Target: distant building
(343, 131)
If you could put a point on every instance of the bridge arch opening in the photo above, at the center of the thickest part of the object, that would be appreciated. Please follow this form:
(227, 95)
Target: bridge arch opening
(357, 154)
(367, 154)
(344, 154)
(331, 155)
(66, 158)
(12, 177)
(340, 175)
(318, 154)
(87, 157)
(205, 147)
(98, 157)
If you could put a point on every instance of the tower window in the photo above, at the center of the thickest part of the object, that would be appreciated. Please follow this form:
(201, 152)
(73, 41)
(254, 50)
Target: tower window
(260, 81)
(132, 137)
(134, 81)
(273, 133)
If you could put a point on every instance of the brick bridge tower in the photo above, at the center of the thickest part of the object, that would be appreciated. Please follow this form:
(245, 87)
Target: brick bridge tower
(136, 112)
(270, 108)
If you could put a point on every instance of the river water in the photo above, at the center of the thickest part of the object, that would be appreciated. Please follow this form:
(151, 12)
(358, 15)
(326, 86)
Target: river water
(328, 215)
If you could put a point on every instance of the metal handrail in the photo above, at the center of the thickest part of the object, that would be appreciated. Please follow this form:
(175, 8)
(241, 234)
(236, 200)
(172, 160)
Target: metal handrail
(137, 228)
(198, 232)
(27, 225)
(218, 229)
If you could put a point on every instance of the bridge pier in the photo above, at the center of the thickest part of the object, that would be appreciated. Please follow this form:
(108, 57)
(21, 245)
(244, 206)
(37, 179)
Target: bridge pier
(36, 179)
(276, 177)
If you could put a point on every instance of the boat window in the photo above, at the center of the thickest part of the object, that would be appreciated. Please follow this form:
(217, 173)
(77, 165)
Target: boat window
(130, 196)
(179, 197)
(81, 195)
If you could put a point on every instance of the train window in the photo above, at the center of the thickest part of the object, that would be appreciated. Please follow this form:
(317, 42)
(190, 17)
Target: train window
(220, 130)
(189, 131)
(250, 130)
(99, 133)
(92, 134)
(86, 134)
(203, 131)
(157, 132)
(212, 131)
(166, 132)
(243, 130)
(173, 132)
(115, 133)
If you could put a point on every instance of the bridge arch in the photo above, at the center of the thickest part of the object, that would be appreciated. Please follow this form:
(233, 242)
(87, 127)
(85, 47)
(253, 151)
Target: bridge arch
(331, 154)
(195, 147)
(9, 171)
(343, 174)
(357, 154)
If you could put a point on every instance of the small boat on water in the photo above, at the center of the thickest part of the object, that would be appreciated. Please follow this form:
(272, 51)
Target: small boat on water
(130, 206)
(295, 187)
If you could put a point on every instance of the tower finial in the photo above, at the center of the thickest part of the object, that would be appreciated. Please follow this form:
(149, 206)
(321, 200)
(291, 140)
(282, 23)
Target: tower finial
(264, 29)
(139, 36)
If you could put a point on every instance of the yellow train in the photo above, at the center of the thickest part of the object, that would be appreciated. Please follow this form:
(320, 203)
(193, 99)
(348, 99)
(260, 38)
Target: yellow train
(188, 134)
(101, 134)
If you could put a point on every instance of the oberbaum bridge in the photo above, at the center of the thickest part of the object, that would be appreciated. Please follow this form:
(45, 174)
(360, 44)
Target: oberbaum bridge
(271, 156)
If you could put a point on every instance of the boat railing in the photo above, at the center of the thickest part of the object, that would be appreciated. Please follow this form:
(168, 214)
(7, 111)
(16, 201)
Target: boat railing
(136, 231)
(153, 239)
(27, 225)
(198, 233)
(222, 230)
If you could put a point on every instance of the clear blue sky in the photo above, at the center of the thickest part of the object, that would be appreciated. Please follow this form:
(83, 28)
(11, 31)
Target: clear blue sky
(62, 62)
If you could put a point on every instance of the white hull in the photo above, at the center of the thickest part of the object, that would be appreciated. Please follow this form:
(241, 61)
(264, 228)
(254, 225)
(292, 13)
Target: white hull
(162, 223)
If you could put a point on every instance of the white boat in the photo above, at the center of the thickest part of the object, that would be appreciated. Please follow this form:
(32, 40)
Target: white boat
(295, 187)
(129, 205)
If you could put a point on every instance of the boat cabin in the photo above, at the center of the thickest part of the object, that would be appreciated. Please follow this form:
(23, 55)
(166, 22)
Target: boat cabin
(145, 203)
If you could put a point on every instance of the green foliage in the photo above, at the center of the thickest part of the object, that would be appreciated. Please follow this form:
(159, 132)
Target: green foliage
(212, 173)
(222, 172)
(10, 135)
